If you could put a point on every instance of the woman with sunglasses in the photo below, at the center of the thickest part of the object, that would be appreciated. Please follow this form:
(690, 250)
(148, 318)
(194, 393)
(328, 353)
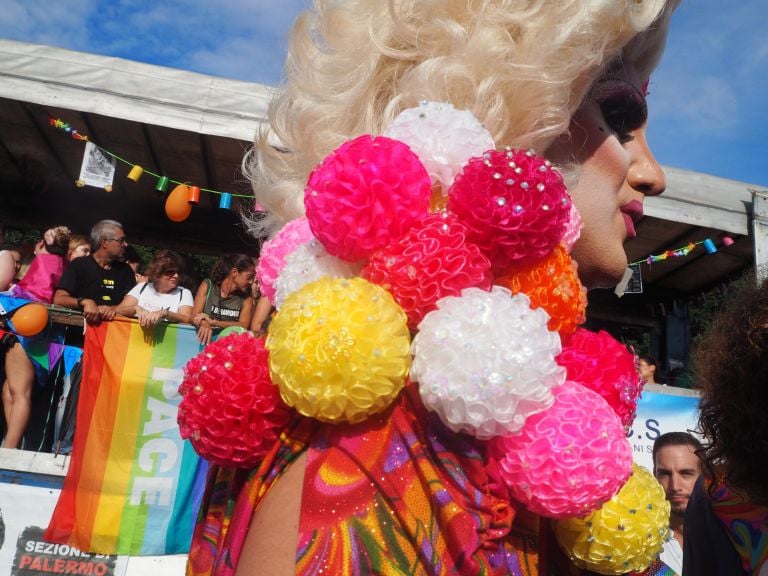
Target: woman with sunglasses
(160, 298)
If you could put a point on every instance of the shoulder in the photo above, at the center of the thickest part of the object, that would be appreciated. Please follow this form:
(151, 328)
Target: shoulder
(140, 288)
(79, 266)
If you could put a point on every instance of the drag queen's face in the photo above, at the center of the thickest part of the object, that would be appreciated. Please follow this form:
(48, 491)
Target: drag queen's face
(616, 171)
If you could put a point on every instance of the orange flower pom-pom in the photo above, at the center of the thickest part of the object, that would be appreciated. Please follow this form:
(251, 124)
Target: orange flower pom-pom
(551, 284)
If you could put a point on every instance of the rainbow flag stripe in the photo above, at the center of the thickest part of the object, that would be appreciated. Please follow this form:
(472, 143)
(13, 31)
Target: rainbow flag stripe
(133, 485)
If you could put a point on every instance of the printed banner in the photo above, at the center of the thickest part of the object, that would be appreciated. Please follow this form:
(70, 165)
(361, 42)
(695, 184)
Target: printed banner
(660, 410)
(133, 485)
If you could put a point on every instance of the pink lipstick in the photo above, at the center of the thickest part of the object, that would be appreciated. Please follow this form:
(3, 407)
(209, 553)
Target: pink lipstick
(632, 213)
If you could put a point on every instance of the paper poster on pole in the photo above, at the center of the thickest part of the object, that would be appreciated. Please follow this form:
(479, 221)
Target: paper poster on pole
(98, 168)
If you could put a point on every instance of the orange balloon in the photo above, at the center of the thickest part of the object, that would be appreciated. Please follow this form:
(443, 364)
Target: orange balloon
(30, 319)
(177, 208)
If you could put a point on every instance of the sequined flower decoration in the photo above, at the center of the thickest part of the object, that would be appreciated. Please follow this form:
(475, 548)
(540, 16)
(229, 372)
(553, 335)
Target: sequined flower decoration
(274, 251)
(552, 284)
(431, 261)
(601, 363)
(309, 262)
(514, 204)
(339, 349)
(230, 410)
(443, 137)
(484, 361)
(366, 194)
(625, 535)
(569, 459)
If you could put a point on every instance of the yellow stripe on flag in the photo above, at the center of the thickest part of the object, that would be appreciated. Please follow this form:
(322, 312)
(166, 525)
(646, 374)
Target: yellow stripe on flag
(117, 475)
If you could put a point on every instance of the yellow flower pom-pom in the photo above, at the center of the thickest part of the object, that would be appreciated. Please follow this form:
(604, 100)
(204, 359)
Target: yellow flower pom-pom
(626, 534)
(339, 349)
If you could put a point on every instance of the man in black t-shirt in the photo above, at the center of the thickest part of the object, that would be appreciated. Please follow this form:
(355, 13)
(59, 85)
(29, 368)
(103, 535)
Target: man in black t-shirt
(97, 283)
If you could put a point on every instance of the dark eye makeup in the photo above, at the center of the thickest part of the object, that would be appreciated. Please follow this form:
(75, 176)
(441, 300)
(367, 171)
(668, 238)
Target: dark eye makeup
(622, 105)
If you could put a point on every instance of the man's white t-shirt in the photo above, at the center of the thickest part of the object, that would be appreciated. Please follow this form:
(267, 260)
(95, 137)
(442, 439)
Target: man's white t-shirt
(152, 300)
(672, 555)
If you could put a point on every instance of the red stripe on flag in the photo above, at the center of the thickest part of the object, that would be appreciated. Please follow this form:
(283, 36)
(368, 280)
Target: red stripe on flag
(99, 396)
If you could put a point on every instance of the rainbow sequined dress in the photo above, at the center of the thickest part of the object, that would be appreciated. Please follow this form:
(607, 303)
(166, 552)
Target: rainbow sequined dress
(396, 494)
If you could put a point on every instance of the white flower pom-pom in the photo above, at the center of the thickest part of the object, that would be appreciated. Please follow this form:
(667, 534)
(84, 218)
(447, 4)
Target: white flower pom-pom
(309, 262)
(485, 362)
(443, 138)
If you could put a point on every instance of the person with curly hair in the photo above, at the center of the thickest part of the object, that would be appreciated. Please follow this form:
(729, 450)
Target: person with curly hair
(727, 516)
(564, 78)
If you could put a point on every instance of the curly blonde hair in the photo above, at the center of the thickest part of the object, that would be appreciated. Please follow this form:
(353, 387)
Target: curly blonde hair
(522, 67)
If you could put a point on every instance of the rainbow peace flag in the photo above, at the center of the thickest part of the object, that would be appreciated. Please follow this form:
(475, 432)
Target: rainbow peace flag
(133, 485)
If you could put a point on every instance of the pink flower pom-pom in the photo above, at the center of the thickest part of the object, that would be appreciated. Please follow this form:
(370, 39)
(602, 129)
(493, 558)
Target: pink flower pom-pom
(366, 194)
(514, 204)
(230, 410)
(274, 251)
(568, 460)
(601, 363)
(443, 137)
(431, 261)
(572, 228)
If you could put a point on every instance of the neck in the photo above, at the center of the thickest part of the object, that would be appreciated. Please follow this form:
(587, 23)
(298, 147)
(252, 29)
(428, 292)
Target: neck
(676, 523)
(227, 287)
(102, 259)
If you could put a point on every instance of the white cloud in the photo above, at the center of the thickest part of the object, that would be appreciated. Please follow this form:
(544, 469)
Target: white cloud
(62, 23)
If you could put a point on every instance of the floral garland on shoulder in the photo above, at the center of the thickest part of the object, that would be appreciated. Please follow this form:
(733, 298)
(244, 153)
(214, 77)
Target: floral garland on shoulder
(427, 254)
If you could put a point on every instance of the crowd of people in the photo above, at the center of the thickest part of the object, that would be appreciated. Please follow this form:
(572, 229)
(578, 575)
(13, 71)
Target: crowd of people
(103, 277)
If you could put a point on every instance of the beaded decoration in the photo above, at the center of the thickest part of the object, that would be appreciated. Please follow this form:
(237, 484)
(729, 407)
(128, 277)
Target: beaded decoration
(434, 257)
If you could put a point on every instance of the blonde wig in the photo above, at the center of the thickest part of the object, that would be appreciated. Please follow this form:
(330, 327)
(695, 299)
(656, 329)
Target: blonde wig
(523, 67)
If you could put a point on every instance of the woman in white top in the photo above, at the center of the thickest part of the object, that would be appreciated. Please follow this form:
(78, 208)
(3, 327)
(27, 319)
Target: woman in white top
(161, 297)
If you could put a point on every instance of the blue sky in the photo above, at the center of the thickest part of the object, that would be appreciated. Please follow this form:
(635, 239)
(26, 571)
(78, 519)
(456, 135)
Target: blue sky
(708, 101)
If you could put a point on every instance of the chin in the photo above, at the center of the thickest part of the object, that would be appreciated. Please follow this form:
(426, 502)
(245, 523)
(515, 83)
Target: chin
(599, 270)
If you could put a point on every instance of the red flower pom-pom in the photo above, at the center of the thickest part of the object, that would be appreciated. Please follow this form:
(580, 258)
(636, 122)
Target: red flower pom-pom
(231, 412)
(366, 194)
(552, 284)
(514, 204)
(598, 361)
(431, 261)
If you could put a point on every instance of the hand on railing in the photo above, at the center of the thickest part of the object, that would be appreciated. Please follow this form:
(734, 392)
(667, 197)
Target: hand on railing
(149, 318)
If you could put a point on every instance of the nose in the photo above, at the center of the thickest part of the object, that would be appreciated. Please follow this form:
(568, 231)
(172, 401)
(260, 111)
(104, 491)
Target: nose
(675, 483)
(645, 174)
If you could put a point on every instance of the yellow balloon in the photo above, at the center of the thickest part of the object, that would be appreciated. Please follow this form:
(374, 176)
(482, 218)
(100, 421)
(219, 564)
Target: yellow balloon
(339, 349)
(177, 208)
(626, 534)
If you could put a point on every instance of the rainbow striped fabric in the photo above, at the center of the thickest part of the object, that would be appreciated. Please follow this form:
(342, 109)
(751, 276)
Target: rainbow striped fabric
(133, 485)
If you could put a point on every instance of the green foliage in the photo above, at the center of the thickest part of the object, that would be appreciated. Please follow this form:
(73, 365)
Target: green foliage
(21, 236)
(705, 306)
